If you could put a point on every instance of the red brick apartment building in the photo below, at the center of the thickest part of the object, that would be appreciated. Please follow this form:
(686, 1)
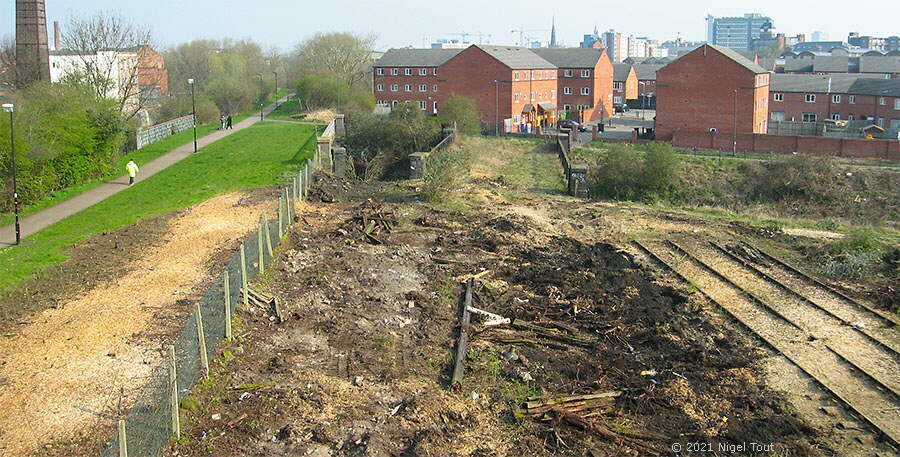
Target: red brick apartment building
(703, 89)
(584, 81)
(646, 82)
(625, 83)
(506, 82)
(816, 98)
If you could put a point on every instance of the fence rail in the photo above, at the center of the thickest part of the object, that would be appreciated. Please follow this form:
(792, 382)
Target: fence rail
(155, 417)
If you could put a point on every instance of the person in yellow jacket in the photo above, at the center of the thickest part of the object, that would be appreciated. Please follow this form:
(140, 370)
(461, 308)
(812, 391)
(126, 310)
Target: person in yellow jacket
(132, 171)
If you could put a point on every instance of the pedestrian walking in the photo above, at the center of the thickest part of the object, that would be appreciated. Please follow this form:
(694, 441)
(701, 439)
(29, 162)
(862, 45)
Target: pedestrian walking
(228, 121)
(132, 171)
(221, 122)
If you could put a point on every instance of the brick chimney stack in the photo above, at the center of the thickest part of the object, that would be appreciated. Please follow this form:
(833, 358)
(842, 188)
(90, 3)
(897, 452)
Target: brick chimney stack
(32, 53)
(57, 36)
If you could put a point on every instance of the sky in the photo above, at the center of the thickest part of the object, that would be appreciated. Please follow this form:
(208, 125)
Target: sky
(399, 23)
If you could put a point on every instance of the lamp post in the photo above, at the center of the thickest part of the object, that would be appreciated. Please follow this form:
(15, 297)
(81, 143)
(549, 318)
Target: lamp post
(263, 96)
(643, 100)
(8, 107)
(193, 112)
(497, 108)
(275, 73)
(734, 127)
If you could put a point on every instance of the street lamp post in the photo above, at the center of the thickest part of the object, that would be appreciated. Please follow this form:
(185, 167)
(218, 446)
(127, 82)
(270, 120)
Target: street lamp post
(262, 89)
(276, 88)
(643, 100)
(734, 127)
(8, 107)
(193, 112)
(497, 108)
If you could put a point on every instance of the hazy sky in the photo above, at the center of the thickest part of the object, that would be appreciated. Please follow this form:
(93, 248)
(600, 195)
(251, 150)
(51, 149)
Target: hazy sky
(397, 23)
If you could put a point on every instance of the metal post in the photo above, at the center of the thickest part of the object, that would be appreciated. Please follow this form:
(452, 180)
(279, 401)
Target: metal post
(123, 440)
(734, 127)
(497, 107)
(259, 239)
(201, 340)
(244, 275)
(276, 88)
(173, 385)
(280, 216)
(262, 88)
(193, 112)
(227, 287)
(12, 140)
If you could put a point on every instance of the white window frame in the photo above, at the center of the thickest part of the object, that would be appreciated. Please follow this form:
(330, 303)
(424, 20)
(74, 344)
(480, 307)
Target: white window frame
(379, 87)
(423, 105)
(567, 73)
(567, 107)
(517, 97)
(617, 99)
(881, 122)
(778, 97)
(835, 116)
(835, 99)
(434, 71)
(850, 117)
(810, 98)
(434, 87)
(380, 71)
(882, 101)
(395, 87)
(617, 85)
(585, 91)
(515, 76)
(407, 71)
(407, 88)
(567, 90)
(423, 72)
(423, 87)
(435, 106)
(395, 71)
(585, 73)
(852, 99)
(897, 104)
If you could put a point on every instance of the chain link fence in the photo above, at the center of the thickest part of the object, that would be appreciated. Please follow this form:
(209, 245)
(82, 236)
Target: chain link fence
(153, 420)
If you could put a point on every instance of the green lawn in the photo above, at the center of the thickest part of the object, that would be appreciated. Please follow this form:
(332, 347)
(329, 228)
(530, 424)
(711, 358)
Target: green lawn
(286, 110)
(257, 156)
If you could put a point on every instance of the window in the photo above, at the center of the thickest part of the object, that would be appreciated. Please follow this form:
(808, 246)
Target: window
(850, 117)
(532, 76)
(517, 97)
(809, 117)
(567, 73)
(423, 87)
(617, 99)
(895, 123)
(835, 99)
(567, 107)
(435, 107)
(407, 87)
(379, 88)
(380, 71)
(552, 75)
(567, 90)
(778, 97)
(777, 116)
(897, 103)
(585, 91)
(393, 72)
(407, 71)
(617, 86)
(382, 103)
(836, 116)
(881, 101)
(532, 96)
(516, 76)
(881, 122)
(434, 88)
(810, 98)
(423, 72)
(394, 104)
(434, 71)
(423, 105)
(394, 87)
(553, 94)
(585, 73)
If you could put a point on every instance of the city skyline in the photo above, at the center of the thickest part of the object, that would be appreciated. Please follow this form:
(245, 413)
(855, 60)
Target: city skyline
(400, 23)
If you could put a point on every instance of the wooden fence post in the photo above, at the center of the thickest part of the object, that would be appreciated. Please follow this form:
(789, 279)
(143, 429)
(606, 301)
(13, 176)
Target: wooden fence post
(268, 237)
(173, 385)
(123, 440)
(201, 339)
(244, 275)
(259, 237)
(280, 216)
(227, 287)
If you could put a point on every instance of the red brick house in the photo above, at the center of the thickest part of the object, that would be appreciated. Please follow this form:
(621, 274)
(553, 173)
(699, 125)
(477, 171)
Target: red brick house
(584, 81)
(711, 87)
(816, 98)
(646, 77)
(625, 83)
(410, 75)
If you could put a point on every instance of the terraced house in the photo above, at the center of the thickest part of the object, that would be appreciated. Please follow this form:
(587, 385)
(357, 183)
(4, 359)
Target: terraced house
(514, 88)
(817, 98)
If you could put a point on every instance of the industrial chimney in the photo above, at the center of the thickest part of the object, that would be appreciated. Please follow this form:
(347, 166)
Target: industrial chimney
(57, 36)
(32, 53)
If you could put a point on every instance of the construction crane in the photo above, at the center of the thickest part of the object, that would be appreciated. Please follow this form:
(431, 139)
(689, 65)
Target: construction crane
(523, 37)
(465, 36)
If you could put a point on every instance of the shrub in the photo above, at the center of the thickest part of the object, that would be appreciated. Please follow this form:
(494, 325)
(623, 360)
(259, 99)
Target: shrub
(811, 178)
(623, 174)
(856, 242)
(464, 112)
(856, 265)
(442, 171)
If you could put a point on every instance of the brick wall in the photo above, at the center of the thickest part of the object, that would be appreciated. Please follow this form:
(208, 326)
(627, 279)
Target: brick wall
(794, 104)
(600, 85)
(414, 80)
(786, 144)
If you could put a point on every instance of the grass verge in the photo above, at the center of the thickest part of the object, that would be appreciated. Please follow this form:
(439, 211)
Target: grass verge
(254, 157)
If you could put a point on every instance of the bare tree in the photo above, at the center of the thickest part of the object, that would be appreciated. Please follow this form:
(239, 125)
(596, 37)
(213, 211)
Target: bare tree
(110, 53)
(8, 76)
(346, 56)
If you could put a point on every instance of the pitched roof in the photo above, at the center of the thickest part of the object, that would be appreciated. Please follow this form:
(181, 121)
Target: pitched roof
(798, 64)
(515, 57)
(768, 63)
(570, 57)
(839, 84)
(831, 63)
(407, 57)
(620, 71)
(879, 64)
(737, 57)
(646, 72)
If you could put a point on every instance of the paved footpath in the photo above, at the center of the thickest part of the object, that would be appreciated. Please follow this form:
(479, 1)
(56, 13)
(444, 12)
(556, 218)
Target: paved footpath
(49, 216)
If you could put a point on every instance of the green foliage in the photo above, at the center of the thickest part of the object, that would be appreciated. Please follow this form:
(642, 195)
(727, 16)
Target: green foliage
(64, 137)
(380, 145)
(462, 111)
(624, 174)
(442, 171)
(858, 241)
(854, 265)
(317, 91)
(806, 177)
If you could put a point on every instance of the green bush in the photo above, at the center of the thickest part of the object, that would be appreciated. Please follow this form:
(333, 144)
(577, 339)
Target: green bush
(442, 171)
(380, 145)
(623, 174)
(463, 112)
(858, 241)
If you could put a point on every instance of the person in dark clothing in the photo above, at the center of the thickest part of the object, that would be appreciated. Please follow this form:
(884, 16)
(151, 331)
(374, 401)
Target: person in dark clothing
(228, 122)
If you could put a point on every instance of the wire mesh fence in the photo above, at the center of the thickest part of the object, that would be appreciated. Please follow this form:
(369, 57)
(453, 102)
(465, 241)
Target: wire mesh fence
(153, 420)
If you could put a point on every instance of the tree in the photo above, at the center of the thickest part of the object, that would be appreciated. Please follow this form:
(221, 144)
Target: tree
(462, 111)
(343, 56)
(107, 53)
(8, 75)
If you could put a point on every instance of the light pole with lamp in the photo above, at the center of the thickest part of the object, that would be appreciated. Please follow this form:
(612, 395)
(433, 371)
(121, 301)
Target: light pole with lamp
(262, 91)
(275, 73)
(9, 107)
(193, 112)
(643, 101)
(734, 127)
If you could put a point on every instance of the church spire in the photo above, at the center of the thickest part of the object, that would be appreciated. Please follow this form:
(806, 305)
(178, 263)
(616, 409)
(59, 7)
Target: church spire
(553, 33)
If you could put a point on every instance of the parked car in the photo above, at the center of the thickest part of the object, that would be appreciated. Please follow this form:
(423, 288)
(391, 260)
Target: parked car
(572, 124)
(620, 108)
